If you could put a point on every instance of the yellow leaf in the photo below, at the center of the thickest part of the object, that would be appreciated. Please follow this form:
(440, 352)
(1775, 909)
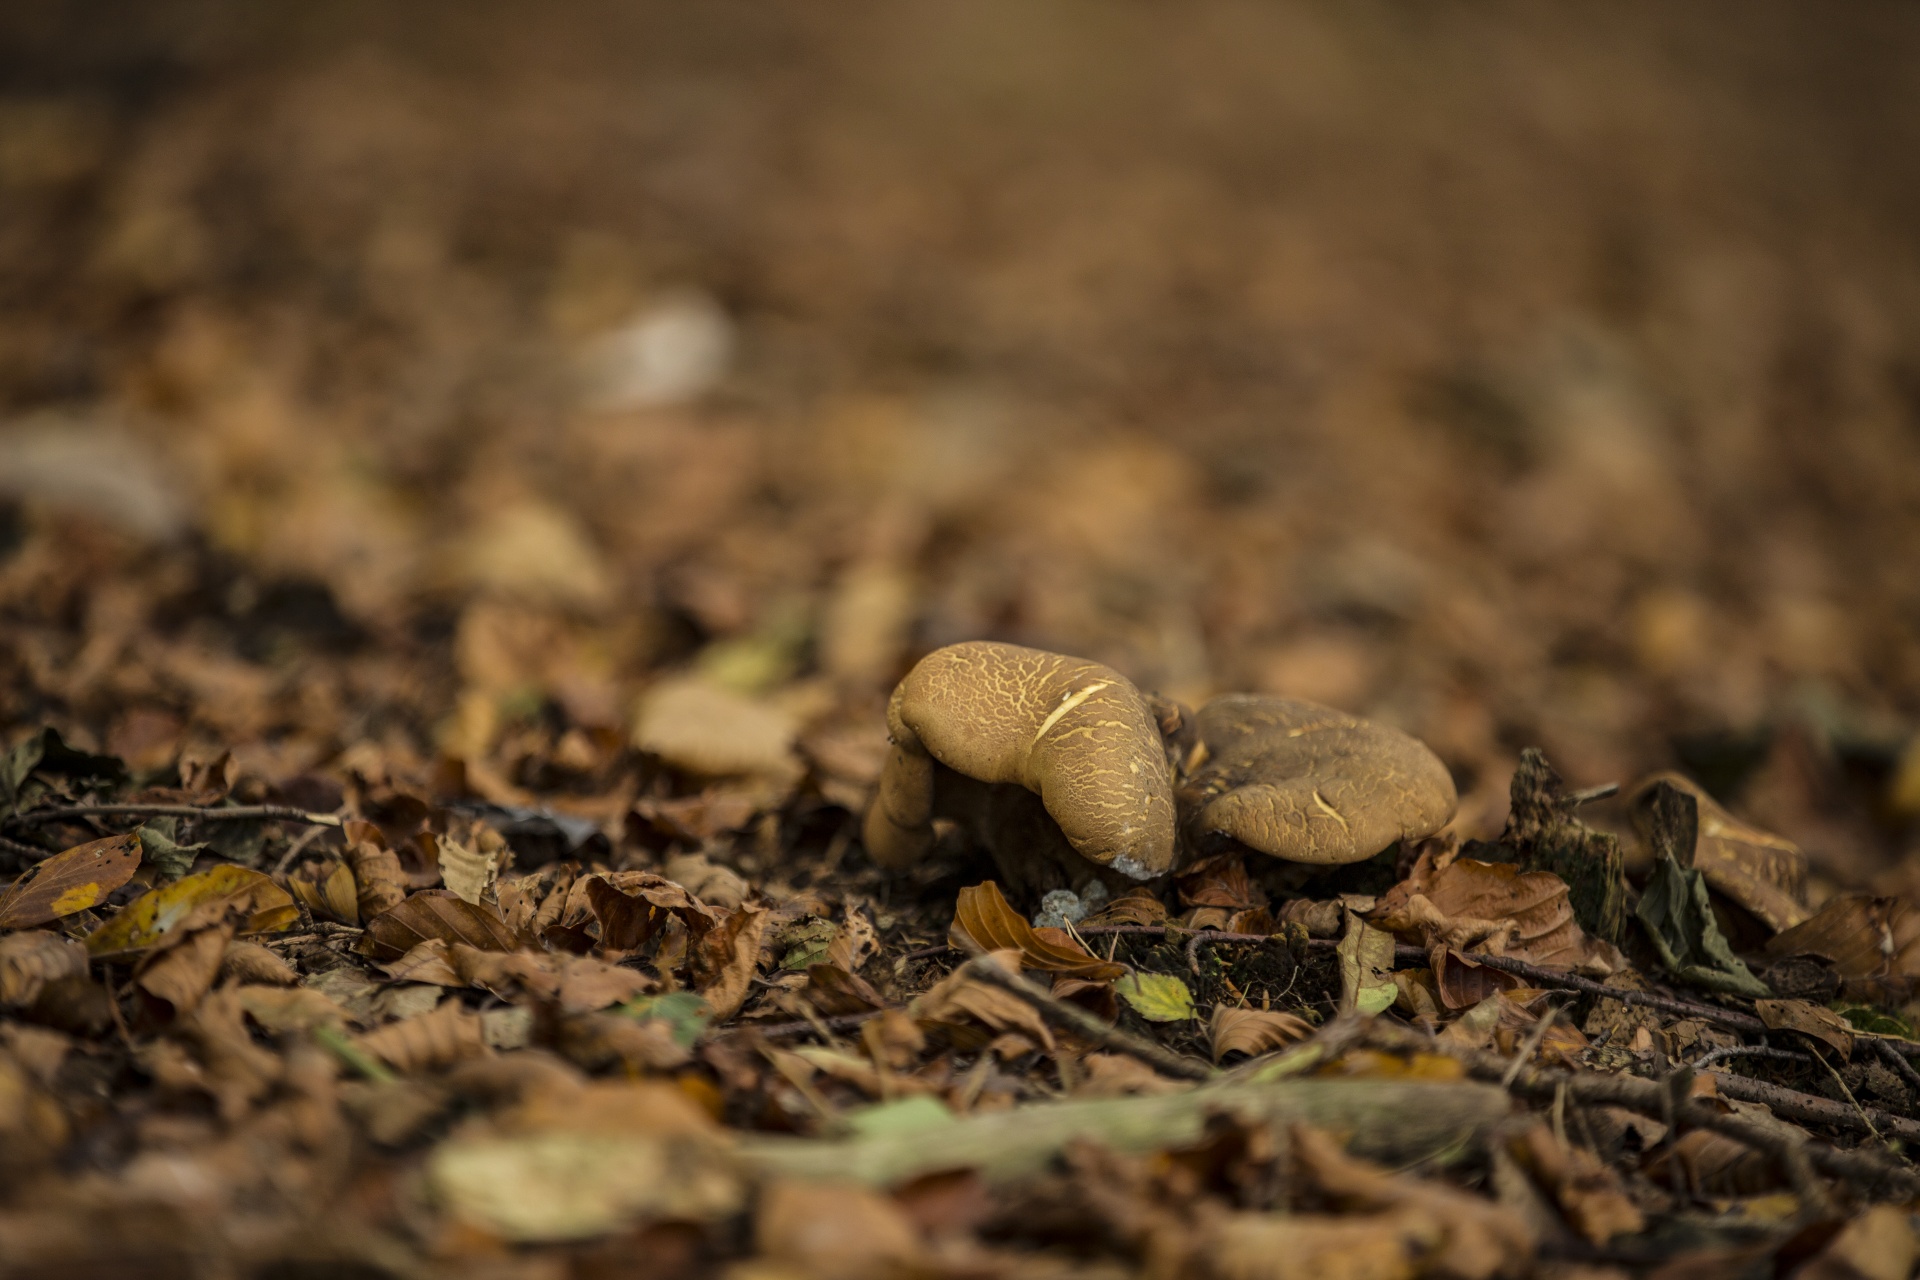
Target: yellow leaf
(1157, 997)
(152, 917)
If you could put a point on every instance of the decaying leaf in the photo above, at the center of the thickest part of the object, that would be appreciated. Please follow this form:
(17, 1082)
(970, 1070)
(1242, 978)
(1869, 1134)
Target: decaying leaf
(181, 972)
(1306, 783)
(290, 1008)
(67, 882)
(1764, 873)
(1135, 907)
(251, 962)
(623, 911)
(835, 1229)
(1253, 1032)
(428, 1041)
(1465, 904)
(1674, 907)
(726, 959)
(434, 913)
(1589, 1193)
(31, 960)
(1873, 943)
(1157, 997)
(1366, 968)
(380, 882)
(330, 895)
(835, 991)
(147, 921)
(959, 998)
(984, 918)
(1809, 1020)
(469, 871)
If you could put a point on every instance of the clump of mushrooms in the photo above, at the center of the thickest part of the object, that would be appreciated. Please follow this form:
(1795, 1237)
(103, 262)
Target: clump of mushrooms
(1069, 775)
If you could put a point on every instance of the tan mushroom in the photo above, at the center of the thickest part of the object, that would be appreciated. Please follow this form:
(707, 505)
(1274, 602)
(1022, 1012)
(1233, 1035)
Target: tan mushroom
(979, 728)
(1306, 783)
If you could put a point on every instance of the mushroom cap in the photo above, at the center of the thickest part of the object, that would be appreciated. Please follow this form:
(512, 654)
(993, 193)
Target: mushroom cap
(1075, 733)
(1307, 783)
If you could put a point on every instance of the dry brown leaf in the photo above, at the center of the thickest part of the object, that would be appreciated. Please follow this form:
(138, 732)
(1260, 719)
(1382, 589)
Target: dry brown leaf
(622, 911)
(1134, 907)
(183, 972)
(1810, 1020)
(834, 991)
(1872, 943)
(1312, 1246)
(331, 895)
(600, 1041)
(29, 961)
(1098, 998)
(524, 900)
(79, 878)
(958, 998)
(1253, 1031)
(468, 872)
(251, 962)
(225, 1062)
(428, 1041)
(726, 959)
(1880, 1244)
(379, 880)
(434, 913)
(856, 943)
(290, 1008)
(578, 984)
(1491, 905)
(1115, 1075)
(714, 885)
(425, 962)
(984, 918)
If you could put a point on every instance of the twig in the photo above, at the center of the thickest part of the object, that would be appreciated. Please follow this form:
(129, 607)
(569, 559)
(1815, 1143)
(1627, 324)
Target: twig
(781, 1030)
(1706, 1060)
(1791, 1104)
(1590, 794)
(1532, 1045)
(1858, 1109)
(35, 852)
(1077, 1020)
(294, 849)
(1898, 1061)
(205, 813)
(1797, 1155)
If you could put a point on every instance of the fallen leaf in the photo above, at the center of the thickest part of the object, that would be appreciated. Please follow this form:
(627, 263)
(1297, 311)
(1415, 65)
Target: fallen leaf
(1366, 968)
(434, 913)
(693, 724)
(251, 962)
(1873, 943)
(333, 896)
(683, 1013)
(428, 1041)
(182, 971)
(1810, 1020)
(1157, 997)
(726, 959)
(1134, 907)
(983, 917)
(1253, 1031)
(1675, 909)
(290, 1008)
(1880, 1244)
(835, 991)
(380, 882)
(149, 919)
(959, 998)
(1590, 1195)
(67, 882)
(469, 872)
(1762, 872)
(31, 960)
(1463, 903)
(425, 962)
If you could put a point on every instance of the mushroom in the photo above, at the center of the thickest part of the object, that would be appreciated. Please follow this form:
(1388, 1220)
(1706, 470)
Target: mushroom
(980, 730)
(1306, 783)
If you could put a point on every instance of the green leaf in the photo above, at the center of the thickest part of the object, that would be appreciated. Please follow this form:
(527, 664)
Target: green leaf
(683, 1011)
(806, 942)
(1878, 1022)
(164, 853)
(1366, 968)
(1157, 997)
(1675, 910)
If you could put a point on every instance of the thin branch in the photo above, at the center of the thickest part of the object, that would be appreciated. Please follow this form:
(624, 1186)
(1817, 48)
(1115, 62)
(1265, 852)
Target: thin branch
(1804, 1108)
(204, 813)
(1898, 1061)
(781, 1030)
(1077, 1020)
(1706, 1060)
(33, 852)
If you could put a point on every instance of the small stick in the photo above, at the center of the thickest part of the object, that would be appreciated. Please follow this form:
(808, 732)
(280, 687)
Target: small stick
(1706, 1060)
(294, 849)
(1858, 1109)
(781, 1030)
(207, 813)
(1531, 1047)
(35, 852)
(1791, 1104)
(1077, 1020)
(1590, 794)
(1897, 1060)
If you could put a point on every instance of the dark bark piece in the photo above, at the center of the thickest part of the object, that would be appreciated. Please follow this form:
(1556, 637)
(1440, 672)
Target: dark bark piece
(1545, 834)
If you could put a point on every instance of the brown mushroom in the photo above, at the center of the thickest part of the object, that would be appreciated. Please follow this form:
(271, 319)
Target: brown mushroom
(978, 729)
(1306, 783)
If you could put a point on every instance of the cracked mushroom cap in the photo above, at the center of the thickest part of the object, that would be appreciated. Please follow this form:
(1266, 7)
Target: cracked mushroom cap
(1073, 732)
(1304, 782)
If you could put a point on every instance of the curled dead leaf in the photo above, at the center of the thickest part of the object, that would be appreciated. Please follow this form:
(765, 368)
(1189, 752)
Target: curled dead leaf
(30, 961)
(329, 893)
(1764, 873)
(1253, 1031)
(181, 972)
(251, 962)
(983, 917)
(1873, 943)
(725, 960)
(468, 871)
(428, 1041)
(958, 998)
(380, 881)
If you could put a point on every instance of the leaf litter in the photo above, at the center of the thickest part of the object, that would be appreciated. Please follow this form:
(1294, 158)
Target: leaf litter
(438, 824)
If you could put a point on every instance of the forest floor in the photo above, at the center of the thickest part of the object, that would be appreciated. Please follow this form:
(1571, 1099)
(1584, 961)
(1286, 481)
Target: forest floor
(470, 481)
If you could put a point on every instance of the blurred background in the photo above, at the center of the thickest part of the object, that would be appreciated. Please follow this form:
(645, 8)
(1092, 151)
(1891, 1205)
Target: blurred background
(386, 390)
